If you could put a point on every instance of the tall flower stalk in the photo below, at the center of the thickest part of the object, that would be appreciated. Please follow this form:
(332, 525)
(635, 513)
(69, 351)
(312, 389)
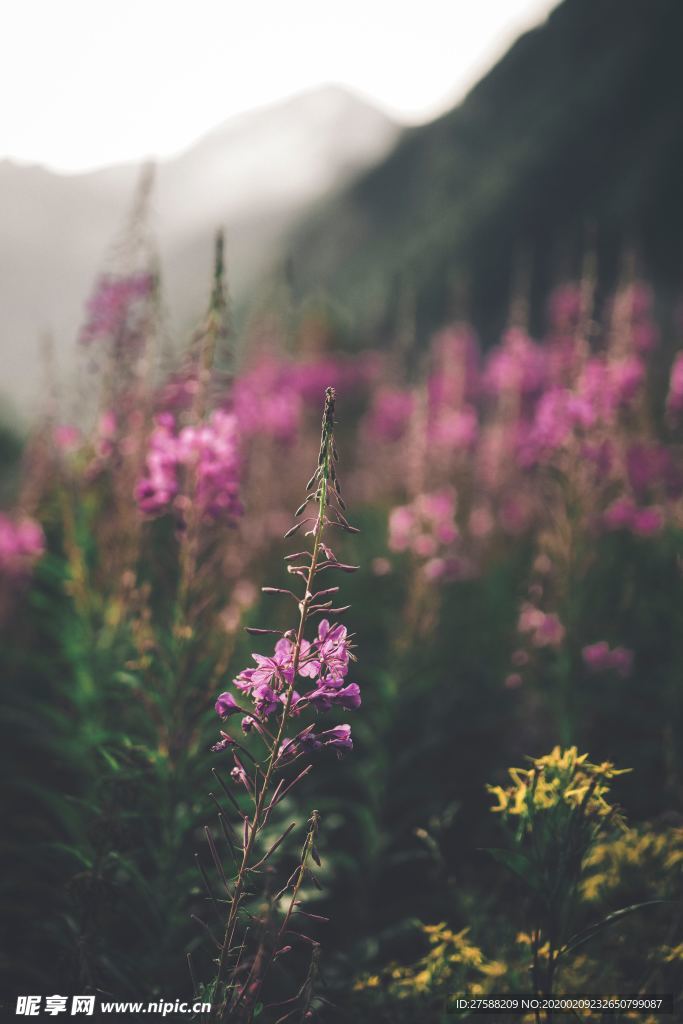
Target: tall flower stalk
(322, 664)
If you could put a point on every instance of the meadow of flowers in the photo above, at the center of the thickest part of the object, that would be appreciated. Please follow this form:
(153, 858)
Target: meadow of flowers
(259, 727)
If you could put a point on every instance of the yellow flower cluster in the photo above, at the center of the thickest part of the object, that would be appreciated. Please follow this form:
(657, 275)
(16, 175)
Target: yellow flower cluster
(651, 854)
(672, 954)
(451, 955)
(560, 777)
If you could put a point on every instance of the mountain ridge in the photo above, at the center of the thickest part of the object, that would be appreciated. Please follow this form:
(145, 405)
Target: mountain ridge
(575, 133)
(253, 176)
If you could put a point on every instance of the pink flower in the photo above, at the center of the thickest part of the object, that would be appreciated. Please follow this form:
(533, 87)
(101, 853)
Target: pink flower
(276, 671)
(550, 633)
(113, 309)
(67, 438)
(226, 705)
(428, 529)
(647, 522)
(619, 515)
(624, 514)
(328, 655)
(159, 486)
(545, 627)
(626, 378)
(390, 413)
(381, 566)
(455, 428)
(22, 543)
(599, 657)
(674, 400)
(401, 523)
(517, 366)
(209, 452)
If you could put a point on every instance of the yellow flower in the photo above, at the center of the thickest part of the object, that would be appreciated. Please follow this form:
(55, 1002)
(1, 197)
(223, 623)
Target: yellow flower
(519, 776)
(561, 760)
(607, 770)
(433, 929)
(545, 793)
(503, 798)
(422, 980)
(575, 796)
(519, 800)
(494, 969)
(591, 887)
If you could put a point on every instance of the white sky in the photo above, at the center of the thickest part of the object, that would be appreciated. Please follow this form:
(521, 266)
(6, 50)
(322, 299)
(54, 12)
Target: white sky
(92, 82)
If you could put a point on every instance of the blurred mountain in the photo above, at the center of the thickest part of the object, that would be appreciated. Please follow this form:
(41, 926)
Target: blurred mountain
(255, 175)
(574, 140)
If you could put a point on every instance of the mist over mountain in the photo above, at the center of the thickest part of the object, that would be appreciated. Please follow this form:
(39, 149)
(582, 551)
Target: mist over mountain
(254, 175)
(574, 140)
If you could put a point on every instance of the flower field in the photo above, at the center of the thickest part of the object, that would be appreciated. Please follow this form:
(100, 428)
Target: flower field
(339, 682)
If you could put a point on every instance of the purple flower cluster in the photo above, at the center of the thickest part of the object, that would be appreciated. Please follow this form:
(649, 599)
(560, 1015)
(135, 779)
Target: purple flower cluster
(22, 543)
(543, 628)
(518, 366)
(202, 459)
(603, 389)
(599, 657)
(427, 528)
(323, 663)
(114, 304)
(625, 514)
(492, 424)
(308, 740)
(269, 398)
(390, 413)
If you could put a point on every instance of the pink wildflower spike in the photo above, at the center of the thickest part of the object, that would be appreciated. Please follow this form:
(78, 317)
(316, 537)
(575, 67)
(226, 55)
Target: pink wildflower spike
(322, 665)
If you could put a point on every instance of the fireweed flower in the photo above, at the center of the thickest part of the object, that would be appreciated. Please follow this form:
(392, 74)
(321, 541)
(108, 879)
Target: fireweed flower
(226, 705)
(599, 657)
(159, 486)
(22, 543)
(624, 514)
(300, 675)
(389, 414)
(278, 669)
(517, 366)
(202, 459)
(114, 308)
(427, 528)
(544, 628)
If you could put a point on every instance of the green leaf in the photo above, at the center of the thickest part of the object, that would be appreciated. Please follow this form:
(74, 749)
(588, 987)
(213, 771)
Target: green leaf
(588, 933)
(516, 862)
(110, 759)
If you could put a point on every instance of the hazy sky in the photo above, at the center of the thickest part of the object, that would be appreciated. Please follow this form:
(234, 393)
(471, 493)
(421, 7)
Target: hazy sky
(89, 82)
